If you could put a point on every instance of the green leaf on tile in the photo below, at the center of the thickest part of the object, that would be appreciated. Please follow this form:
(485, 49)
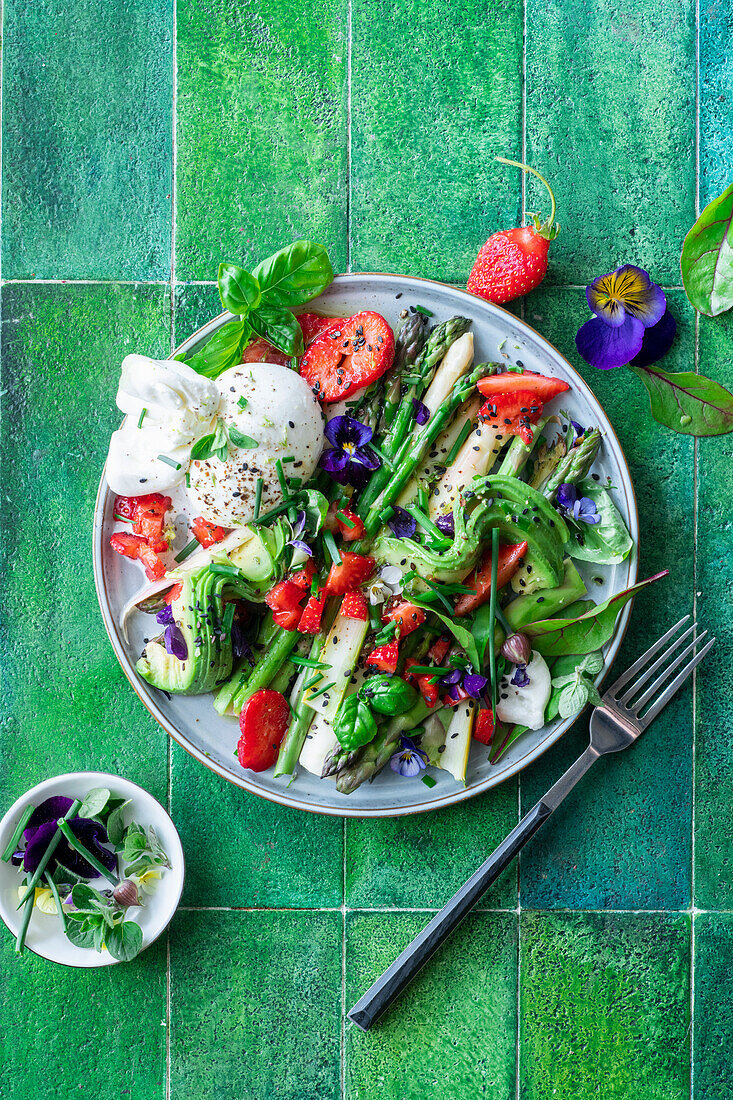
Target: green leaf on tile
(687, 403)
(295, 274)
(239, 291)
(707, 257)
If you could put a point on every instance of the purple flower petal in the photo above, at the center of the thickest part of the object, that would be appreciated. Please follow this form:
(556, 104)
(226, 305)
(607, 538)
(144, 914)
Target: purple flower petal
(90, 833)
(422, 412)
(365, 456)
(334, 461)
(446, 524)
(577, 428)
(567, 495)
(345, 430)
(520, 678)
(585, 511)
(165, 616)
(626, 292)
(409, 761)
(240, 645)
(453, 677)
(402, 525)
(474, 684)
(299, 525)
(175, 643)
(656, 342)
(50, 810)
(300, 545)
(610, 310)
(605, 347)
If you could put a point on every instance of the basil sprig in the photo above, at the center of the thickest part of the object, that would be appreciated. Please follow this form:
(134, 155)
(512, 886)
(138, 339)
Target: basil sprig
(262, 301)
(216, 443)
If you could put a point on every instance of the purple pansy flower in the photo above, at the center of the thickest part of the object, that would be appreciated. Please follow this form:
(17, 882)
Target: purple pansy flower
(475, 684)
(41, 829)
(165, 616)
(656, 341)
(350, 461)
(520, 678)
(581, 509)
(175, 643)
(446, 524)
(402, 524)
(297, 542)
(626, 304)
(422, 412)
(410, 760)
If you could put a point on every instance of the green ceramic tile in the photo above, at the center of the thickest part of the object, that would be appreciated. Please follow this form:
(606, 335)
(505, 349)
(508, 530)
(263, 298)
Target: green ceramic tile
(714, 735)
(87, 139)
(452, 1032)
(611, 124)
(436, 93)
(266, 855)
(262, 111)
(67, 704)
(716, 96)
(194, 306)
(80, 1032)
(256, 1006)
(421, 860)
(713, 1007)
(623, 837)
(605, 1006)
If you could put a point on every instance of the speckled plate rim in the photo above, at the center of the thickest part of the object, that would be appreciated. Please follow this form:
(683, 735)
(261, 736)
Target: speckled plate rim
(288, 797)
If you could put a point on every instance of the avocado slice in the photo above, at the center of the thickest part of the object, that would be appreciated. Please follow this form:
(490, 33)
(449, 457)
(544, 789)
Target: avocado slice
(542, 605)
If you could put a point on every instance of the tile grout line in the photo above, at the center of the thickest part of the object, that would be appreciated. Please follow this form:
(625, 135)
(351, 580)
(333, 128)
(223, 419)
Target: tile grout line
(348, 137)
(212, 282)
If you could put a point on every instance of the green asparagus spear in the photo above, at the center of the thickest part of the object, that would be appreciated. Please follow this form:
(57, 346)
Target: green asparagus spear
(410, 341)
(518, 451)
(265, 670)
(372, 758)
(576, 464)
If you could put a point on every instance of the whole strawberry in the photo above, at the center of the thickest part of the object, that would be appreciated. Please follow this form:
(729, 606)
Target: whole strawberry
(514, 261)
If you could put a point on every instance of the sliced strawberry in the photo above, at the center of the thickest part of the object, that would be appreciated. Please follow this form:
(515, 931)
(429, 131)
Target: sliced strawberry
(207, 533)
(460, 693)
(384, 657)
(285, 600)
(354, 606)
(483, 728)
(353, 571)
(351, 526)
(480, 580)
(154, 566)
(304, 577)
(124, 507)
(514, 413)
(336, 366)
(126, 544)
(407, 616)
(529, 383)
(313, 324)
(260, 351)
(428, 691)
(310, 620)
(173, 593)
(263, 723)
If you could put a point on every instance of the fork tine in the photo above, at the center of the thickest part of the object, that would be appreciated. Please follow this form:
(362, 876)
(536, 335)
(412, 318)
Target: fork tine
(637, 665)
(651, 692)
(661, 660)
(670, 690)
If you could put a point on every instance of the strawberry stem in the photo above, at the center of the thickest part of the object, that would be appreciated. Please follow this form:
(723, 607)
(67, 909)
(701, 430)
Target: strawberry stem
(548, 229)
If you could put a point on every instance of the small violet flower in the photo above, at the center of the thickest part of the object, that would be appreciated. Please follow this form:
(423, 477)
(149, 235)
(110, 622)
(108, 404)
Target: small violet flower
(446, 524)
(631, 324)
(402, 524)
(175, 643)
(410, 760)
(422, 412)
(350, 461)
(296, 541)
(581, 509)
(520, 678)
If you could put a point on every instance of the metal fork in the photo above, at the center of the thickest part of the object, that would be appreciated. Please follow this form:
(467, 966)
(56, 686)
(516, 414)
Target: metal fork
(616, 724)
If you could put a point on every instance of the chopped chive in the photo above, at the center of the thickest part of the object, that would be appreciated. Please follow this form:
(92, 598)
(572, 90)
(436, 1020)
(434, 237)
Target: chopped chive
(425, 312)
(315, 584)
(188, 479)
(281, 479)
(463, 436)
(429, 781)
(228, 621)
(330, 543)
(345, 519)
(169, 462)
(427, 524)
(313, 681)
(289, 458)
(122, 519)
(375, 617)
(515, 370)
(266, 517)
(223, 570)
(427, 670)
(492, 614)
(55, 891)
(187, 550)
(503, 620)
(386, 515)
(242, 402)
(307, 662)
(15, 838)
(142, 417)
(321, 690)
(377, 450)
(295, 482)
(258, 497)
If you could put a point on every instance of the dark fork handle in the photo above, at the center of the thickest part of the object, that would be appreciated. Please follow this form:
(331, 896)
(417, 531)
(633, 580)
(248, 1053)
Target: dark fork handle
(396, 977)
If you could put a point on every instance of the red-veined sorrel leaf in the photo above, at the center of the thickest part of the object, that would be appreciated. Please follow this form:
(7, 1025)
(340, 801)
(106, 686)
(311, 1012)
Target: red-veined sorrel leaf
(687, 403)
(707, 257)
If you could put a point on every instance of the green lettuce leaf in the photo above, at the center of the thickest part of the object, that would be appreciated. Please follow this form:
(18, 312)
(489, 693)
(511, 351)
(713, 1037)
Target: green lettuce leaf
(607, 542)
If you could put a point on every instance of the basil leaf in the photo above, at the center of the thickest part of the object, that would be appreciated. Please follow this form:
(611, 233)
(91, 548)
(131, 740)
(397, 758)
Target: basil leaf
(239, 291)
(246, 442)
(202, 448)
(687, 403)
(295, 274)
(315, 506)
(586, 633)
(707, 257)
(607, 542)
(279, 327)
(355, 724)
(388, 694)
(124, 941)
(223, 350)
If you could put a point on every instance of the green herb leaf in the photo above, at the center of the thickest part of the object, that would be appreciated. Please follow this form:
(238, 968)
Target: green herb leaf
(239, 291)
(464, 637)
(116, 824)
(246, 442)
(355, 724)
(202, 448)
(388, 694)
(687, 403)
(295, 274)
(94, 802)
(124, 941)
(607, 542)
(279, 326)
(223, 349)
(315, 506)
(81, 934)
(586, 633)
(707, 257)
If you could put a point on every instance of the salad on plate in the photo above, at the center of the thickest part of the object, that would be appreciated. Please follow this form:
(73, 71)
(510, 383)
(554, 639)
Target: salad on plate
(361, 542)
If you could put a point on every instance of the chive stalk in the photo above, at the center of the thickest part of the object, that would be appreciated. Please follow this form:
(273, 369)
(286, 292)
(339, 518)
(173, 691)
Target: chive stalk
(23, 930)
(77, 845)
(492, 615)
(17, 834)
(258, 497)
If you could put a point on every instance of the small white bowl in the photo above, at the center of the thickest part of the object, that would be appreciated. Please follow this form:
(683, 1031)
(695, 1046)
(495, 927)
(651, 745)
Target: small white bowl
(46, 936)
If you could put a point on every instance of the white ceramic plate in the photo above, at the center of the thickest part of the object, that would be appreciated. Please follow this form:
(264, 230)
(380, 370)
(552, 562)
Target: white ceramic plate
(45, 935)
(193, 722)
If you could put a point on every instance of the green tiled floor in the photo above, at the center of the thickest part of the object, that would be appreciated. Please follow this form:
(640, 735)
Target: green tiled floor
(144, 142)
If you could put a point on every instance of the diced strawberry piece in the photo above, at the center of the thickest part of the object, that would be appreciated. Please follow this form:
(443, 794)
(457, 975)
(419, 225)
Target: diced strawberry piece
(304, 577)
(260, 351)
(288, 620)
(313, 324)
(352, 530)
(207, 533)
(154, 566)
(354, 606)
(407, 616)
(514, 413)
(461, 694)
(285, 600)
(352, 572)
(384, 657)
(529, 384)
(124, 507)
(439, 650)
(127, 544)
(173, 593)
(336, 366)
(263, 723)
(310, 620)
(428, 691)
(509, 557)
(483, 729)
